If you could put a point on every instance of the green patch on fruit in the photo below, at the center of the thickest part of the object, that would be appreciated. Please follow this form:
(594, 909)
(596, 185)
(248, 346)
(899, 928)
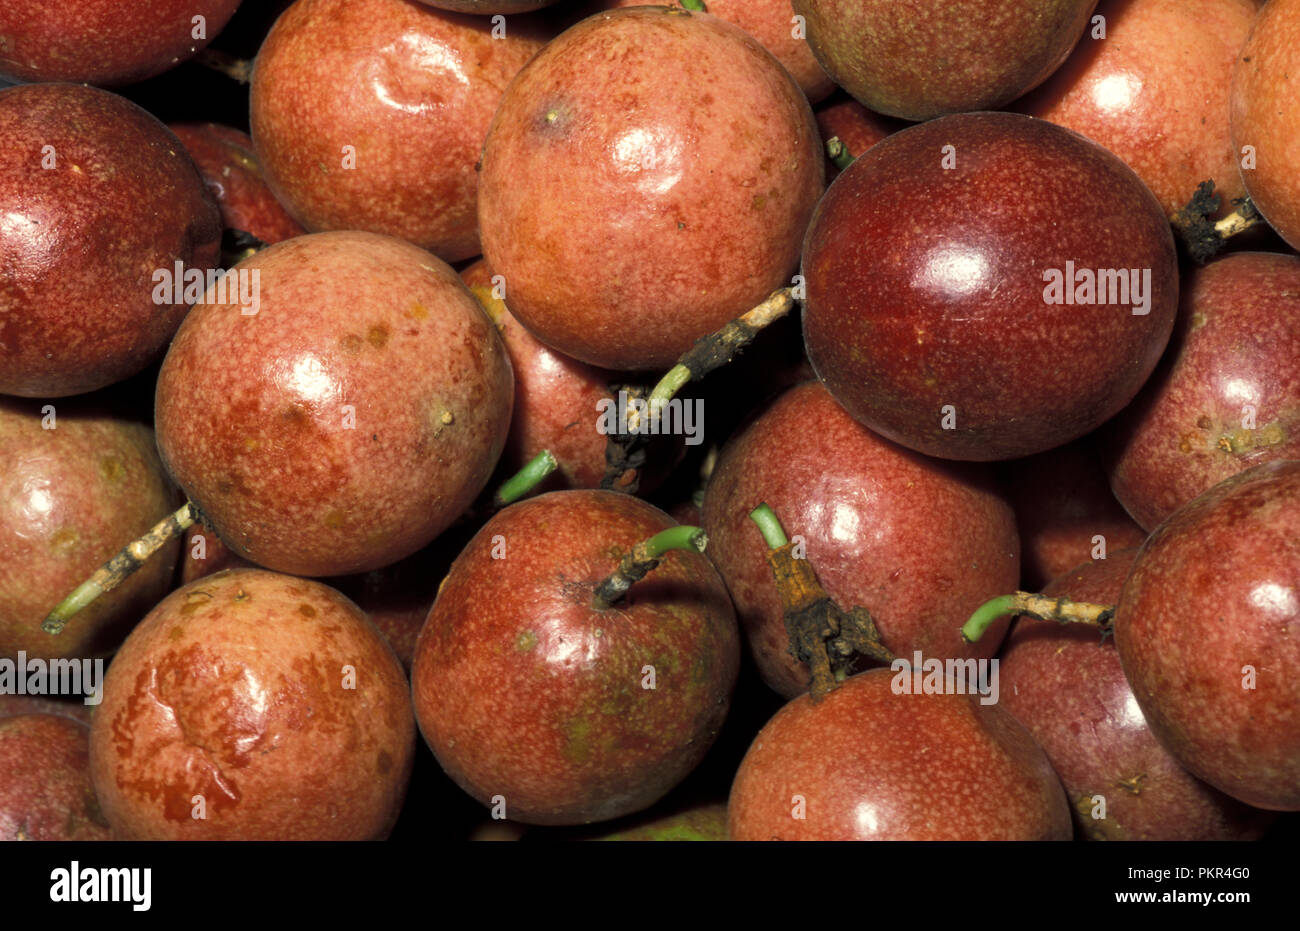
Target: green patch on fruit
(64, 540)
(112, 469)
(526, 641)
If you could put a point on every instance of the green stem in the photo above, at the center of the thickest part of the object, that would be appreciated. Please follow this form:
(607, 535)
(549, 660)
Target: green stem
(839, 153)
(986, 614)
(644, 557)
(695, 5)
(1042, 607)
(116, 571)
(526, 479)
(770, 526)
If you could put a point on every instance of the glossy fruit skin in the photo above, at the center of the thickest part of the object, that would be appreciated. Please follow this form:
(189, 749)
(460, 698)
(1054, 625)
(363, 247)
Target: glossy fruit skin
(108, 42)
(122, 200)
(1213, 592)
(70, 498)
(1065, 684)
(224, 157)
(918, 59)
(927, 295)
(412, 90)
(1236, 344)
(352, 328)
(556, 397)
(223, 672)
(523, 690)
(870, 764)
(918, 542)
(855, 126)
(1063, 503)
(45, 790)
(1266, 115)
(610, 195)
(772, 23)
(1155, 92)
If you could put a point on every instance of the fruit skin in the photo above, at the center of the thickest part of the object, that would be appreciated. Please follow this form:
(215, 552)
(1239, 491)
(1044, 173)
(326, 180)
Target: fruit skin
(1266, 115)
(484, 7)
(696, 823)
(918, 542)
(918, 59)
(45, 790)
(74, 707)
(771, 22)
(610, 195)
(1062, 503)
(855, 126)
(1214, 591)
(411, 89)
(224, 157)
(223, 672)
(523, 690)
(123, 200)
(926, 286)
(1155, 92)
(1236, 344)
(1064, 683)
(870, 764)
(556, 397)
(106, 42)
(70, 498)
(352, 328)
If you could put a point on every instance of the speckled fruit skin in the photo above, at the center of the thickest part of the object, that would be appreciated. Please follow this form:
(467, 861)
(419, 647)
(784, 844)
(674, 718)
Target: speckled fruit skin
(233, 688)
(631, 215)
(70, 498)
(45, 790)
(523, 690)
(73, 707)
(1065, 684)
(1266, 115)
(926, 286)
(352, 328)
(1155, 92)
(1214, 590)
(484, 7)
(872, 765)
(855, 126)
(396, 598)
(224, 157)
(1062, 503)
(772, 23)
(410, 88)
(105, 42)
(555, 396)
(200, 558)
(122, 200)
(1236, 344)
(697, 823)
(918, 542)
(918, 59)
